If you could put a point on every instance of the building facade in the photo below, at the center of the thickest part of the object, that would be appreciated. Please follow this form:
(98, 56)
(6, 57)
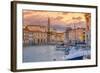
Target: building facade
(38, 35)
(34, 35)
(77, 35)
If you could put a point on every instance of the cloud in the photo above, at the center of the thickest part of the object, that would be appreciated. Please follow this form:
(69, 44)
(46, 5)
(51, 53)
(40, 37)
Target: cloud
(58, 20)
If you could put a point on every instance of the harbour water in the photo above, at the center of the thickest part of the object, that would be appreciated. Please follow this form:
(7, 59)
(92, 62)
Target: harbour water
(52, 53)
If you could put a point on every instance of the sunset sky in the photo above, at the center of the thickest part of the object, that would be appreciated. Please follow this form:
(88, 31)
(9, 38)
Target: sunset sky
(59, 20)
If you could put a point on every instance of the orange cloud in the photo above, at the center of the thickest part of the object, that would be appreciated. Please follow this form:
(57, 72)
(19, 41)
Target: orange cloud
(62, 18)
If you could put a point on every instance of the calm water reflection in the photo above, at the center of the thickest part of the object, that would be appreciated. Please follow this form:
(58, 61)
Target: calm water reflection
(41, 53)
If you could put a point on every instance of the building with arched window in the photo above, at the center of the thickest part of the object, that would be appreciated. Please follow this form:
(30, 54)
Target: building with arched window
(38, 35)
(34, 35)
